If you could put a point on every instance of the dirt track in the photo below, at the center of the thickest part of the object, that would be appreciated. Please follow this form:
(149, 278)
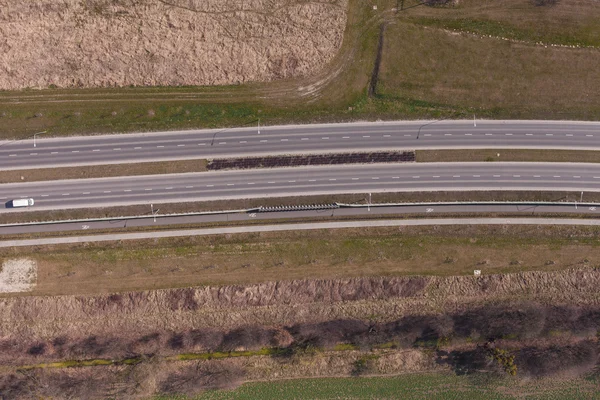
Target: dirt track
(103, 43)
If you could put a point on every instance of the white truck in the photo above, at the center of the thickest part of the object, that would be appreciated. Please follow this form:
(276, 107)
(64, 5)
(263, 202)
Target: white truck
(21, 203)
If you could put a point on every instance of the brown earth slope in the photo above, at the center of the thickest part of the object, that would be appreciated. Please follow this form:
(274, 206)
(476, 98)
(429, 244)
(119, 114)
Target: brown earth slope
(379, 299)
(104, 43)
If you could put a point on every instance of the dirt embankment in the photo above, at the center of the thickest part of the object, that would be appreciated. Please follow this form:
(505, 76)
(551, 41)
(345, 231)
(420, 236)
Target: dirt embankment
(276, 304)
(103, 43)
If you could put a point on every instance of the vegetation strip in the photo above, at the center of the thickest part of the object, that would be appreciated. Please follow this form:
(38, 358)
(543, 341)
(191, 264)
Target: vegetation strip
(311, 159)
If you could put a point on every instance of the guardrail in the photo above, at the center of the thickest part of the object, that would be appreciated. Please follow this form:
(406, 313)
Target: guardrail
(300, 207)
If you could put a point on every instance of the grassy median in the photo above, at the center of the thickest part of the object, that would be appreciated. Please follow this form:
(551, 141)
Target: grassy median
(526, 155)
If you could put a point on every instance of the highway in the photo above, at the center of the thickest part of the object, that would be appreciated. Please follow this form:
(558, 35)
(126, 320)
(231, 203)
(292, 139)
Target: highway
(297, 227)
(160, 146)
(303, 181)
(431, 210)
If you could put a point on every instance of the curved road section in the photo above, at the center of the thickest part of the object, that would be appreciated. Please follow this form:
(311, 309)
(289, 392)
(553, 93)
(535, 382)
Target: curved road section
(240, 142)
(303, 181)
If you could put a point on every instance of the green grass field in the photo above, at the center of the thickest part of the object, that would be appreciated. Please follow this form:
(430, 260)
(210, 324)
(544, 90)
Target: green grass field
(434, 386)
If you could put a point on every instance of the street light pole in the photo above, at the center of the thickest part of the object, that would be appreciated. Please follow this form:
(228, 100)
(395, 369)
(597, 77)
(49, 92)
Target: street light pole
(34, 136)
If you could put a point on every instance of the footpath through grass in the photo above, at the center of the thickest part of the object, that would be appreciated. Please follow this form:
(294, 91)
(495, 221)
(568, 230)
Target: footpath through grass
(451, 61)
(417, 386)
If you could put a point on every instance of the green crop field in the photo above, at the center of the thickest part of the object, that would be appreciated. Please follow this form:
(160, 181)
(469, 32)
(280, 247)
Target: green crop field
(433, 386)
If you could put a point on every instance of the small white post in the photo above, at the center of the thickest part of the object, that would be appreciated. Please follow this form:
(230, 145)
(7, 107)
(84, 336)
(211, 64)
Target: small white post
(474, 123)
(369, 206)
(259, 126)
(581, 199)
(152, 211)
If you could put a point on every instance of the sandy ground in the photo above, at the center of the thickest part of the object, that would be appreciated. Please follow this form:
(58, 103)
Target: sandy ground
(102, 43)
(18, 275)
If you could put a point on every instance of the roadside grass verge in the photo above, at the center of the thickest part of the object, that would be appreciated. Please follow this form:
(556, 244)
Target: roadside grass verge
(103, 171)
(92, 268)
(435, 64)
(478, 155)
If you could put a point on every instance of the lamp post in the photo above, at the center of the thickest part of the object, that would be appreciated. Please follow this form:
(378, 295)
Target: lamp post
(35, 135)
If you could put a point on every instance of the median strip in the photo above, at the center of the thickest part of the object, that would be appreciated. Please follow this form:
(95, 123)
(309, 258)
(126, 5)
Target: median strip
(102, 171)
(526, 155)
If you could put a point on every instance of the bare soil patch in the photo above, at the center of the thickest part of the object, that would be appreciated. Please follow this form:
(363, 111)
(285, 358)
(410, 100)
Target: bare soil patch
(105, 43)
(18, 275)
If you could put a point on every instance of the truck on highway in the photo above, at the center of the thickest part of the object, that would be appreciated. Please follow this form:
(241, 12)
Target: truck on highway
(21, 203)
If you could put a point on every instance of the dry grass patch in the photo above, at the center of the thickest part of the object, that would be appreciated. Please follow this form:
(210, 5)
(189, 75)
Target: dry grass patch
(119, 43)
(507, 155)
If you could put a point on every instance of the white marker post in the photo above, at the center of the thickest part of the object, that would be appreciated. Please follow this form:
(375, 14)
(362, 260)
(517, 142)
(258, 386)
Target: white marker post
(369, 205)
(474, 123)
(259, 126)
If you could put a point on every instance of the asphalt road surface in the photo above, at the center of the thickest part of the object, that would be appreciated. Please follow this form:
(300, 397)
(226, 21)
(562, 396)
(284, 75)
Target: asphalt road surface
(298, 227)
(114, 149)
(303, 181)
(433, 209)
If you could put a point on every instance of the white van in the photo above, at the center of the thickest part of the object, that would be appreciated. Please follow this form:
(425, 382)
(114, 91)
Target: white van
(22, 203)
